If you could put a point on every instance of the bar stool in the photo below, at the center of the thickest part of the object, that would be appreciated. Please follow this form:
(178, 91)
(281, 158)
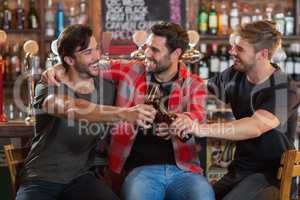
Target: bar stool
(290, 167)
(15, 159)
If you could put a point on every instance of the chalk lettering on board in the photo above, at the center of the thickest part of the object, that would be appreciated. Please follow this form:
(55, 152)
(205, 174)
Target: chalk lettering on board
(123, 17)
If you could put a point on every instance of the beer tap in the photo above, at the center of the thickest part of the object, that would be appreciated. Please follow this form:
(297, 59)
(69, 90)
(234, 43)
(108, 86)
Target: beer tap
(139, 38)
(192, 55)
(30, 48)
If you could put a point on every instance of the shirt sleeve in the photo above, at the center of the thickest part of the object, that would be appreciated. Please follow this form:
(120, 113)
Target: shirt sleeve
(43, 91)
(282, 101)
(217, 85)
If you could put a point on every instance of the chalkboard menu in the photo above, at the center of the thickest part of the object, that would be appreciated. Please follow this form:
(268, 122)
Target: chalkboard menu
(122, 17)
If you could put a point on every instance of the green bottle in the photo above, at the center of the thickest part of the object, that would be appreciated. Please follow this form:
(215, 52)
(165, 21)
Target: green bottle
(212, 19)
(202, 20)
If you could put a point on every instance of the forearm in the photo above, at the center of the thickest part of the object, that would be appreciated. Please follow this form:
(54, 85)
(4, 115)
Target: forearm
(241, 129)
(78, 109)
(98, 113)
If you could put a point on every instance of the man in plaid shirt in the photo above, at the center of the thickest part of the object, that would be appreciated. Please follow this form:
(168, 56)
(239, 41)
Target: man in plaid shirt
(158, 165)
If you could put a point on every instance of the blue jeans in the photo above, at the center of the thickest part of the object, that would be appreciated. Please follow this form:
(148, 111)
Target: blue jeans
(238, 185)
(40, 190)
(158, 182)
(84, 187)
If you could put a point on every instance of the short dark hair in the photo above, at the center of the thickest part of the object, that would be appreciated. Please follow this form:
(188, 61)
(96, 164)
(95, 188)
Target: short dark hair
(71, 38)
(176, 36)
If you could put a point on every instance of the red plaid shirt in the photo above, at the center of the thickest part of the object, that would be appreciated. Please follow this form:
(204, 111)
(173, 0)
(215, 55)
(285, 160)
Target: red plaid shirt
(188, 96)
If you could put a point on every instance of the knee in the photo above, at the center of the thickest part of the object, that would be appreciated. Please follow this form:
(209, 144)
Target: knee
(131, 185)
(203, 190)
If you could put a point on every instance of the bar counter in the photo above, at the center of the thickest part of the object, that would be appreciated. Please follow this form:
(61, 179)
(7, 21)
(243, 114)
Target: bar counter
(18, 129)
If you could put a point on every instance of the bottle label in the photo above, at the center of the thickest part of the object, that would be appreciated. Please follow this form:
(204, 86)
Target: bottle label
(223, 20)
(297, 68)
(203, 22)
(213, 21)
(280, 25)
(289, 27)
(214, 65)
(50, 32)
(289, 67)
(234, 22)
(34, 22)
(245, 19)
(203, 72)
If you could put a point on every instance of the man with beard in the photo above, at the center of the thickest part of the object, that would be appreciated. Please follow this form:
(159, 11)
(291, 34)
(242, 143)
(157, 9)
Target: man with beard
(61, 162)
(158, 165)
(264, 101)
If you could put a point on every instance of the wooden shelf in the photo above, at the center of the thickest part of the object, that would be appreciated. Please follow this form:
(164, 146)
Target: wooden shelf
(24, 31)
(225, 38)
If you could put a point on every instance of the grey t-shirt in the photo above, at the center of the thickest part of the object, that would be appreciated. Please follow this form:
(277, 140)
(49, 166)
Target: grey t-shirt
(63, 149)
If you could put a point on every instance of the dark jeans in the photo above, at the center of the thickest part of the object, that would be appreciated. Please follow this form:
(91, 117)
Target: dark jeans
(234, 186)
(84, 187)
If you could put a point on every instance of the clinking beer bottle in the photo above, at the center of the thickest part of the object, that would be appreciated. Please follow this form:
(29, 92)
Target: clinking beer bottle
(153, 98)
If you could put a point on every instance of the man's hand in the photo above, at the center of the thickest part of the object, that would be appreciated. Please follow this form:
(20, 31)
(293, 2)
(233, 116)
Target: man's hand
(53, 75)
(183, 126)
(141, 114)
(163, 130)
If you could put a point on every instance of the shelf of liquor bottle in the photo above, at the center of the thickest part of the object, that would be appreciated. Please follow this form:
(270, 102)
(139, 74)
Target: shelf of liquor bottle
(221, 39)
(23, 31)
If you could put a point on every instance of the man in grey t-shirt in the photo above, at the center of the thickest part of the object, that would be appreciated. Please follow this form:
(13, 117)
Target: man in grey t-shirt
(61, 162)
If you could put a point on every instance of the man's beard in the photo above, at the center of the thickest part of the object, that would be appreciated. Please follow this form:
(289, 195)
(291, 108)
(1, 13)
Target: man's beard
(84, 70)
(159, 68)
(242, 66)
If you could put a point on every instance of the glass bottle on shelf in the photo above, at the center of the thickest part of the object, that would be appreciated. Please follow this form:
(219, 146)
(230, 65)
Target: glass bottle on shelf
(202, 19)
(203, 70)
(49, 20)
(60, 19)
(289, 23)
(1, 17)
(212, 19)
(72, 16)
(224, 62)
(245, 15)
(7, 16)
(279, 19)
(15, 60)
(8, 64)
(234, 15)
(289, 62)
(83, 17)
(297, 62)
(223, 19)
(269, 12)
(20, 15)
(257, 14)
(214, 60)
(32, 16)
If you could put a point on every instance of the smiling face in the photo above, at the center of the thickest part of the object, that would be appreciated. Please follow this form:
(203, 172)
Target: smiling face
(158, 57)
(244, 55)
(86, 60)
